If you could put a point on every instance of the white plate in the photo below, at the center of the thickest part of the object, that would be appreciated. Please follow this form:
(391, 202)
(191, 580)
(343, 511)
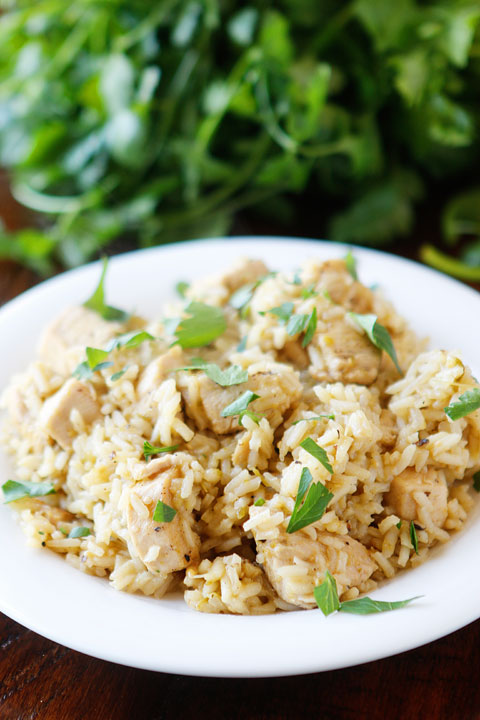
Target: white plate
(39, 590)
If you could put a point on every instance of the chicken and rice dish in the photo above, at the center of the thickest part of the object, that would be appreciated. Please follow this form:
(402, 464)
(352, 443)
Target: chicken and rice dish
(269, 428)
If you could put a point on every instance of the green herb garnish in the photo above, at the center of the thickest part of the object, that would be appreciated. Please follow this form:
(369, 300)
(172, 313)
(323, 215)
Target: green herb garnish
(399, 524)
(129, 340)
(413, 537)
(233, 375)
(377, 334)
(116, 376)
(476, 481)
(326, 597)
(466, 404)
(316, 417)
(259, 502)
(296, 324)
(163, 512)
(181, 287)
(205, 324)
(311, 327)
(283, 312)
(14, 490)
(79, 532)
(97, 301)
(242, 345)
(317, 452)
(308, 292)
(314, 505)
(95, 357)
(243, 295)
(351, 264)
(149, 449)
(240, 407)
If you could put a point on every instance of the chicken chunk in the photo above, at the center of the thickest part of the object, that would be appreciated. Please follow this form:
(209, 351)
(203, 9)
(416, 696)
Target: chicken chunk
(342, 354)
(205, 400)
(163, 547)
(343, 289)
(411, 491)
(157, 370)
(76, 327)
(56, 412)
(243, 272)
(295, 564)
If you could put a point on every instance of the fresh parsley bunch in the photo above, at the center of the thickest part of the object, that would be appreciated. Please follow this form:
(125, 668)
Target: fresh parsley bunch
(160, 120)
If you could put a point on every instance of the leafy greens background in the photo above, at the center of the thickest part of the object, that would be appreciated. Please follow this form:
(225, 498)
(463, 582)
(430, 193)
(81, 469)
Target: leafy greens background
(163, 119)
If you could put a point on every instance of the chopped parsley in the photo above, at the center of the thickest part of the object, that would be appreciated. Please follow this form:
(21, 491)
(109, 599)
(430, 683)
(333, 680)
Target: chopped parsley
(149, 449)
(351, 264)
(205, 324)
(314, 505)
(312, 419)
(79, 532)
(242, 345)
(399, 524)
(308, 292)
(163, 512)
(466, 404)
(233, 375)
(476, 481)
(317, 452)
(116, 376)
(240, 405)
(377, 334)
(296, 324)
(259, 502)
(181, 287)
(311, 327)
(242, 297)
(14, 490)
(95, 357)
(413, 537)
(129, 340)
(283, 312)
(97, 301)
(326, 597)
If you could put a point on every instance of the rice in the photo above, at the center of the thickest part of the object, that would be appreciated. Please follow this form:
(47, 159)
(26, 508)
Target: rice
(397, 458)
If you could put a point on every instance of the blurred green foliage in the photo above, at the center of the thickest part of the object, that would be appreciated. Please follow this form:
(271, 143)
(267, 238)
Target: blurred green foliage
(162, 119)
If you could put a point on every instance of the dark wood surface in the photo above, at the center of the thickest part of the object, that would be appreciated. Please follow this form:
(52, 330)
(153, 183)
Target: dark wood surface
(41, 680)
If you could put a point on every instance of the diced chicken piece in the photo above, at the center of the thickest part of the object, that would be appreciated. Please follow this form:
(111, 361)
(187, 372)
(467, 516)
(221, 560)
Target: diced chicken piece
(347, 355)
(296, 563)
(163, 547)
(205, 400)
(295, 354)
(56, 412)
(343, 289)
(243, 272)
(75, 327)
(410, 490)
(56, 515)
(157, 370)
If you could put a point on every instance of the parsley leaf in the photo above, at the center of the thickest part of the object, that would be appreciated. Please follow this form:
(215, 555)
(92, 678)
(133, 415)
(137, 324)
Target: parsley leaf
(233, 375)
(377, 334)
(243, 295)
(95, 356)
(466, 404)
(326, 595)
(163, 512)
(316, 417)
(311, 327)
(296, 324)
(282, 312)
(367, 606)
(476, 481)
(129, 340)
(399, 524)
(308, 292)
(317, 452)
(351, 264)
(116, 376)
(97, 301)
(181, 287)
(240, 405)
(259, 502)
(313, 507)
(149, 449)
(14, 490)
(242, 345)
(205, 324)
(79, 532)
(413, 537)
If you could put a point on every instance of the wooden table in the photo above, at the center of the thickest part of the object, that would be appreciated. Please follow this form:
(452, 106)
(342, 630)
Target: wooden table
(41, 680)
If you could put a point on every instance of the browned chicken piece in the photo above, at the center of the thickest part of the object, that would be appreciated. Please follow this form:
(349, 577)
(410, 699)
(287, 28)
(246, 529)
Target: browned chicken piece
(55, 414)
(343, 289)
(56, 515)
(205, 400)
(167, 546)
(348, 355)
(293, 352)
(347, 559)
(410, 488)
(243, 272)
(157, 370)
(75, 327)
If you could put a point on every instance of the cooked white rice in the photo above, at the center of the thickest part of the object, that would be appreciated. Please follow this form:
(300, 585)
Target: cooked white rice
(396, 456)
